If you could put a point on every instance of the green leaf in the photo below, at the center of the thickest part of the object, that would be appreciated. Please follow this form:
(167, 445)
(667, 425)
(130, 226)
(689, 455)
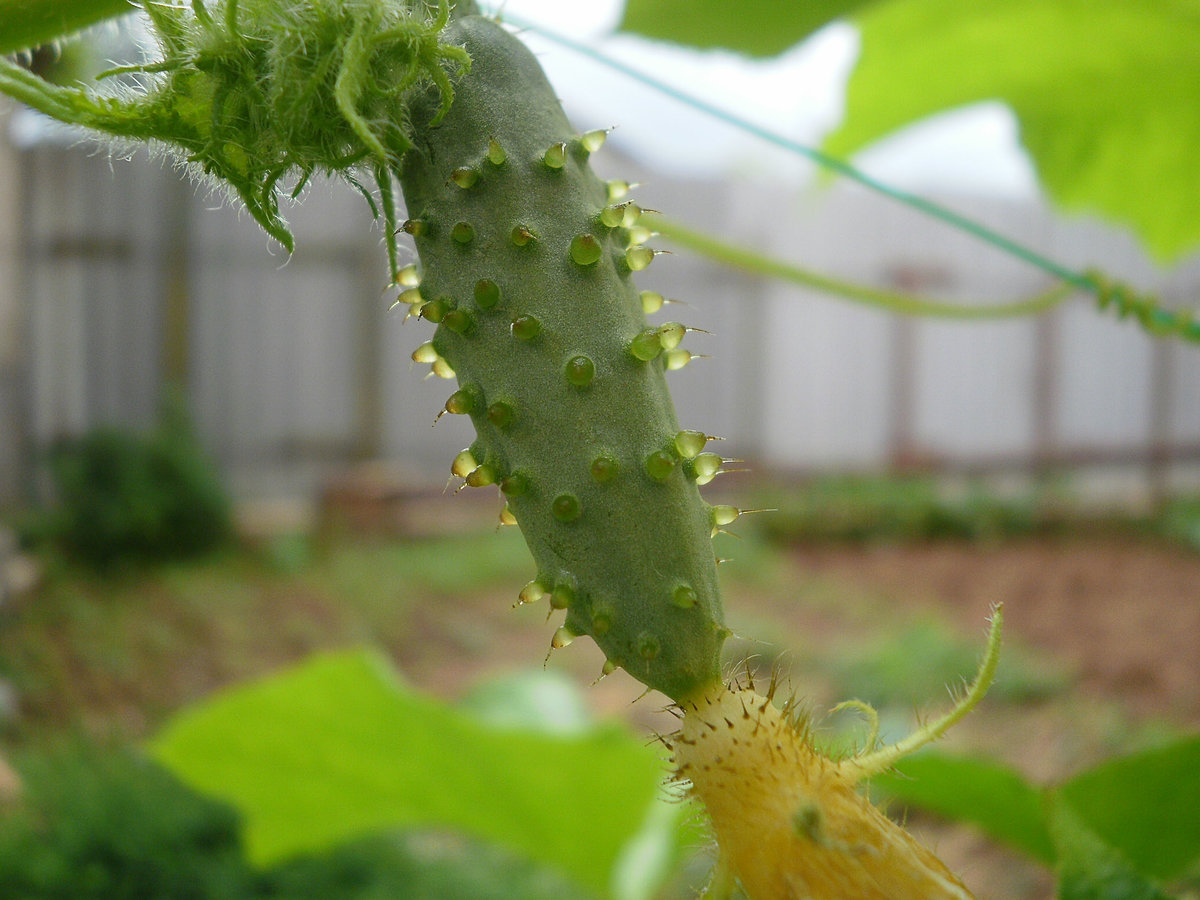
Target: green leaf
(753, 27)
(338, 748)
(30, 23)
(1106, 92)
(987, 794)
(1146, 805)
(1088, 868)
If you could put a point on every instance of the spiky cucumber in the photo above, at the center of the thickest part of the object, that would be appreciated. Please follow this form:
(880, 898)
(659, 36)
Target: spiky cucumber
(545, 330)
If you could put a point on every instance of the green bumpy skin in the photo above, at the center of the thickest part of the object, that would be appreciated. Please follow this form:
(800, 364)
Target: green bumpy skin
(546, 372)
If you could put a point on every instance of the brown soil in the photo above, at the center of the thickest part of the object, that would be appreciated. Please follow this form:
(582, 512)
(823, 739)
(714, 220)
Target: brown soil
(1123, 614)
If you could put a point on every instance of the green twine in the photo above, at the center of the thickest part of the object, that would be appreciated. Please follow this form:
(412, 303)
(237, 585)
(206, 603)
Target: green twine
(1110, 293)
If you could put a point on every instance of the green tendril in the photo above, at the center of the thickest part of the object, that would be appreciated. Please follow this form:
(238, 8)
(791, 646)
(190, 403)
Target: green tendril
(873, 761)
(387, 201)
(1146, 308)
(893, 301)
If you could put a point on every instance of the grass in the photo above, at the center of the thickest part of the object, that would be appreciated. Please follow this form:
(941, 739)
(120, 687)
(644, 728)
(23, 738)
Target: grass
(922, 656)
(860, 509)
(116, 653)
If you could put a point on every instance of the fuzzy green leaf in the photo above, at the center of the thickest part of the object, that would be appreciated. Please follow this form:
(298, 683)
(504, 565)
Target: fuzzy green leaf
(1107, 94)
(987, 794)
(1146, 805)
(30, 23)
(1088, 868)
(752, 27)
(338, 748)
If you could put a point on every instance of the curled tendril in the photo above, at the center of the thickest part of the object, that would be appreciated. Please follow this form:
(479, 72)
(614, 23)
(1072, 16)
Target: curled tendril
(259, 93)
(1146, 308)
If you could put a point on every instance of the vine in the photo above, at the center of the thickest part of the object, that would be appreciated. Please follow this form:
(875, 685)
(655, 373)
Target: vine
(894, 301)
(1108, 292)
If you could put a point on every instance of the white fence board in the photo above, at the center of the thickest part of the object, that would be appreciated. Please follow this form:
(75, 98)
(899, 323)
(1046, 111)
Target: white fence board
(975, 382)
(297, 366)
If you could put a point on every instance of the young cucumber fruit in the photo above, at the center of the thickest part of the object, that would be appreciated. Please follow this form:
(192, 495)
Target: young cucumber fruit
(528, 276)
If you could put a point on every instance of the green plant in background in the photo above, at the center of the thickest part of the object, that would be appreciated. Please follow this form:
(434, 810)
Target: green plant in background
(856, 509)
(1102, 92)
(31, 23)
(125, 496)
(920, 658)
(114, 826)
(525, 267)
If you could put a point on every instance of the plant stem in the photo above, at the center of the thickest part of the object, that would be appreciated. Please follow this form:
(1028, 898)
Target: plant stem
(906, 304)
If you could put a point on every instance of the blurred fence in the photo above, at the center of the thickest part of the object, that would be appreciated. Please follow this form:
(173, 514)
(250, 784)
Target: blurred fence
(116, 275)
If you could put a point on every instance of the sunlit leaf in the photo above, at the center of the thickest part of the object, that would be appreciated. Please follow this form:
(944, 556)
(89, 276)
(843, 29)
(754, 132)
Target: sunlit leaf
(981, 792)
(29, 23)
(338, 748)
(1107, 93)
(753, 27)
(1147, 805)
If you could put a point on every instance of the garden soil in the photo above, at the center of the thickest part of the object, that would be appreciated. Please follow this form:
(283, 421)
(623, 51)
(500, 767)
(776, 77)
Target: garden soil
(1122, 614)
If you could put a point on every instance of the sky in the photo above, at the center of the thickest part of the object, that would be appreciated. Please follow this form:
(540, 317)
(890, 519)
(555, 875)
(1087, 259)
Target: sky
(799, 94)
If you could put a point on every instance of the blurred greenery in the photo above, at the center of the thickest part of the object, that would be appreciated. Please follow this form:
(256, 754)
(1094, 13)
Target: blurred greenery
(124, 652)
(1145, 804)
(97, 647)
(130, 645)
(760, 28)
(1179, 521)
(97, 826)
(1104, 93)
(979, 791)
(418, 865)
(125, 496)
(911, 508)
(28, 23)
(452, 565)
(1090, 869)
(917, 659)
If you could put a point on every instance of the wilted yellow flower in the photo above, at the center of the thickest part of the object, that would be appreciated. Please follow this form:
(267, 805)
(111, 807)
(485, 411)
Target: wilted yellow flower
(790, 822)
